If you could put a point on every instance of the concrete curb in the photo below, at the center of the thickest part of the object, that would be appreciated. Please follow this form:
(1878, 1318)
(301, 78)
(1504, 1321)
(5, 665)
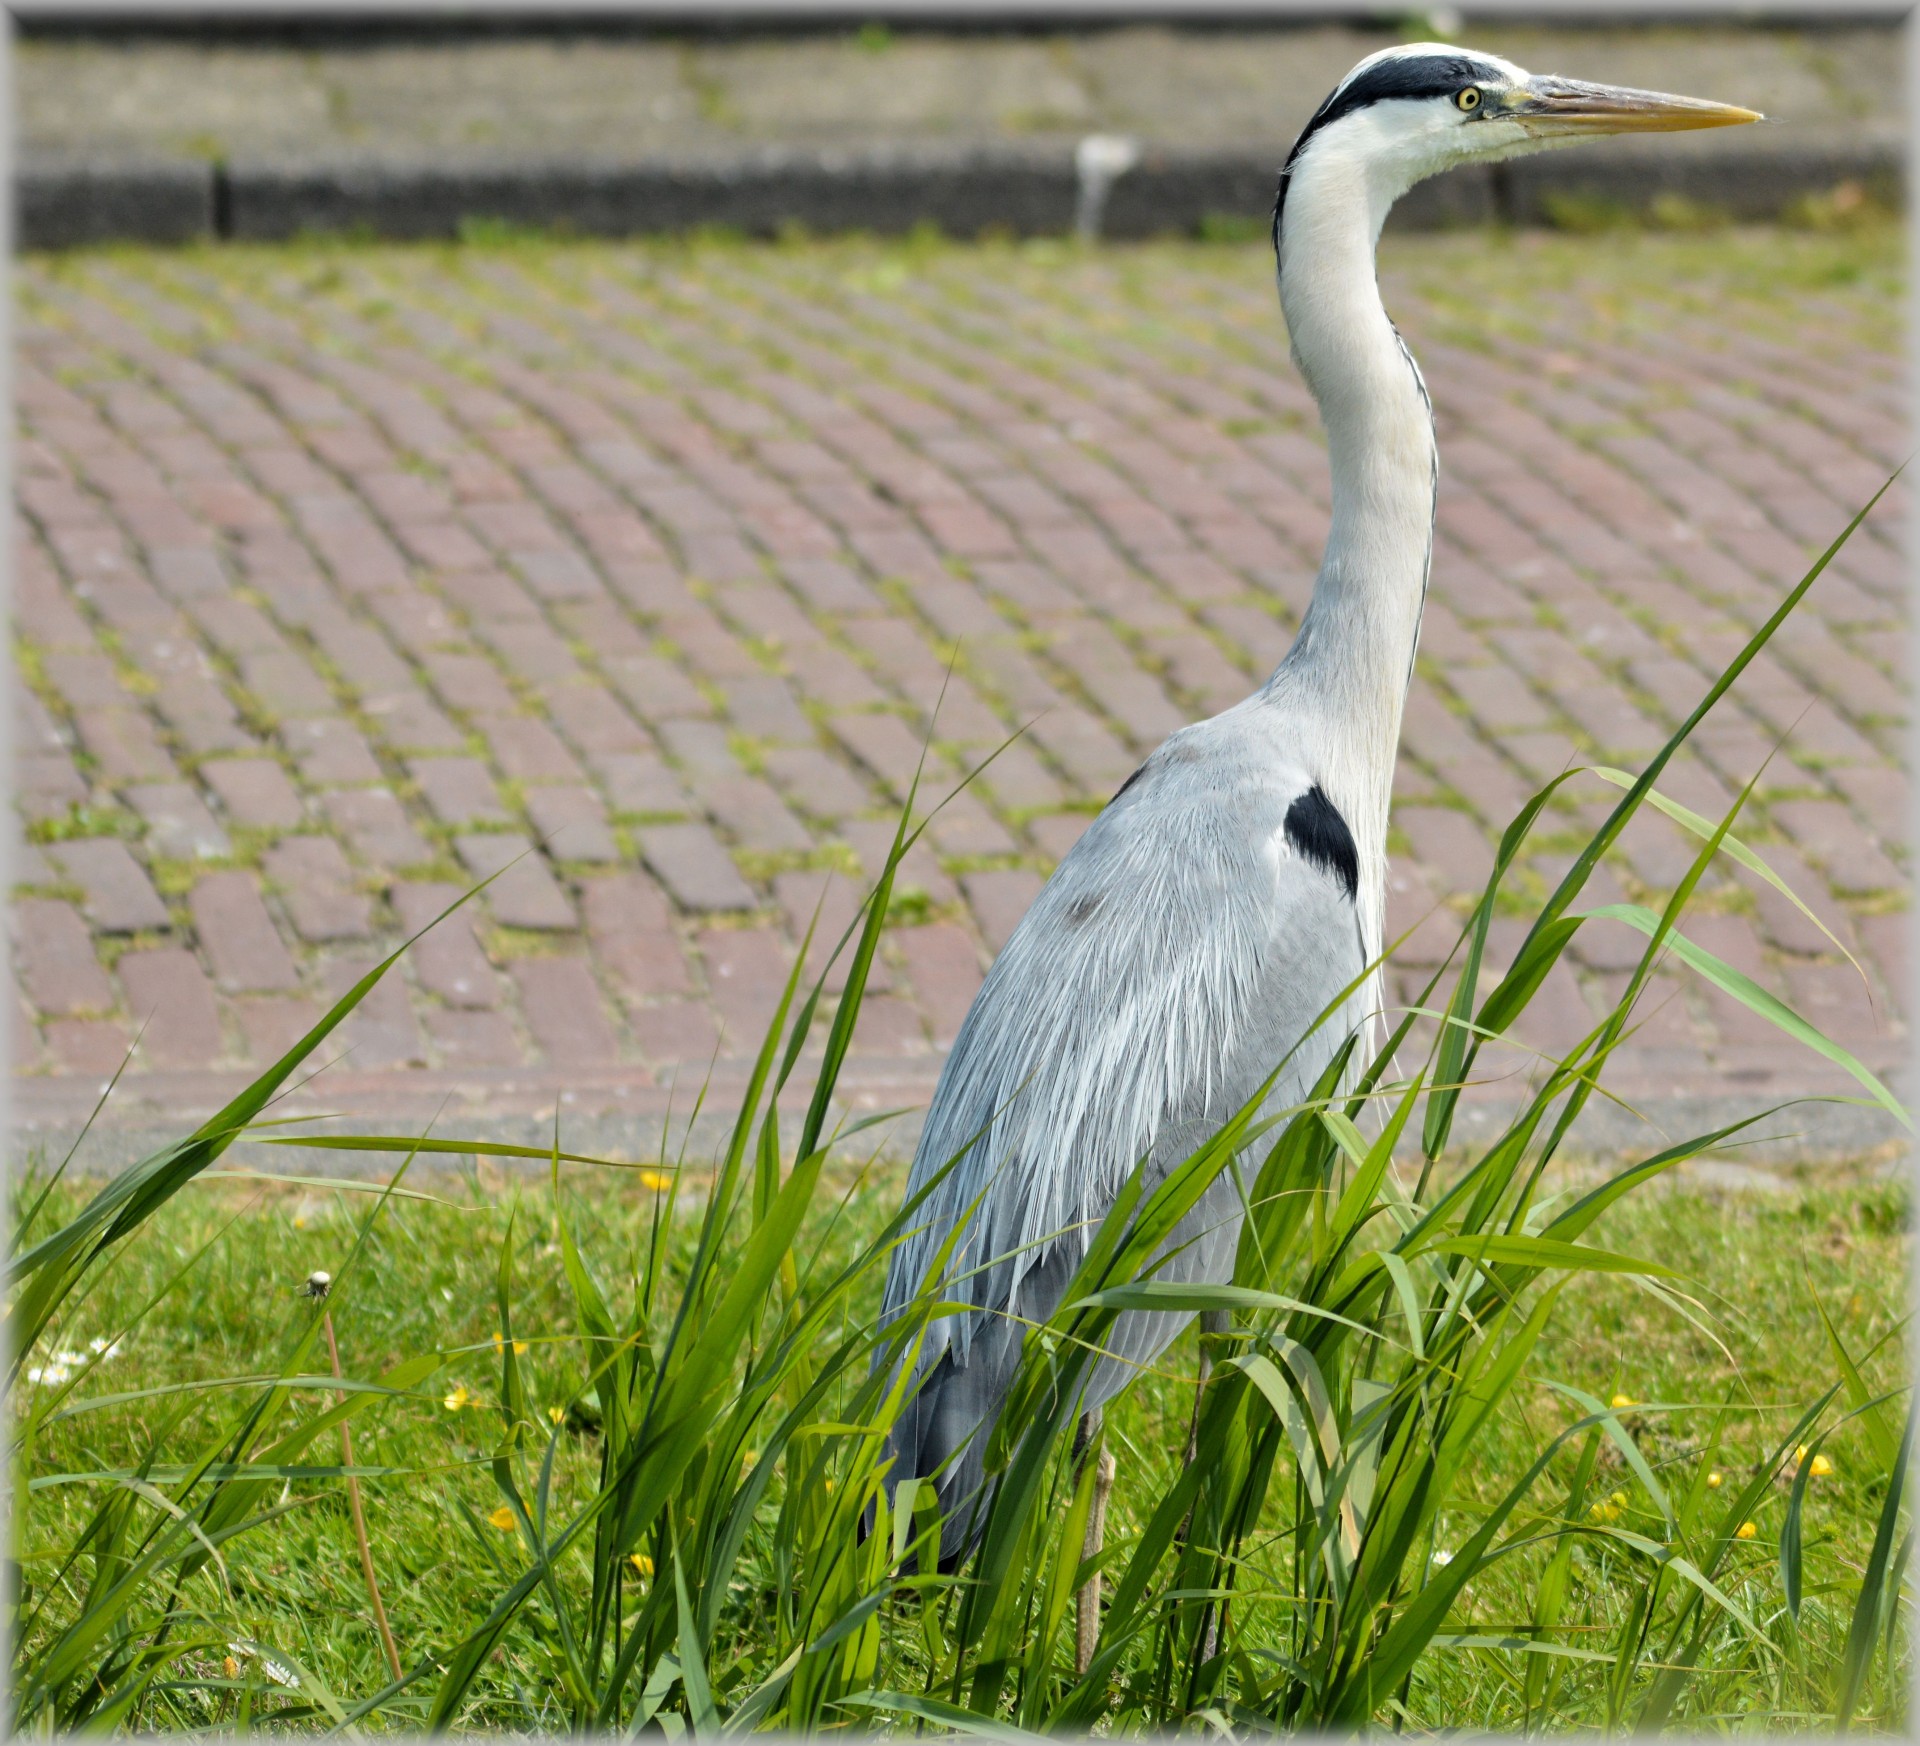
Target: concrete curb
(1812, 1136)
(613, 1114)
(1028, 191)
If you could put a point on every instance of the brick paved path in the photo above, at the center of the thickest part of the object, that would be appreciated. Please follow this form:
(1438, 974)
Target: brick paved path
(344, 578)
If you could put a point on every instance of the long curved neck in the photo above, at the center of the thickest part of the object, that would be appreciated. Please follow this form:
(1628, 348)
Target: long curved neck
(1350, 664)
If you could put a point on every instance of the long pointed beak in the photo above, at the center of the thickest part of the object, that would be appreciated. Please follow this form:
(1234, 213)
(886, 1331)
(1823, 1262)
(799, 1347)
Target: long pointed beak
(1552, 107)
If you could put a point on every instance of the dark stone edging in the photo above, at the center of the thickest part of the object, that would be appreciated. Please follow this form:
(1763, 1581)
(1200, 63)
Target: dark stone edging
(61, 204)
(68, 203)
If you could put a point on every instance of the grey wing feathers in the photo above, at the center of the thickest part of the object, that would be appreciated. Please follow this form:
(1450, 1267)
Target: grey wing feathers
(1177, 953)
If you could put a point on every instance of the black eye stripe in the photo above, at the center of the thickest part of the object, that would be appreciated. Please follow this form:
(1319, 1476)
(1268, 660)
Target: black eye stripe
(1424, 76)
(1397, 76)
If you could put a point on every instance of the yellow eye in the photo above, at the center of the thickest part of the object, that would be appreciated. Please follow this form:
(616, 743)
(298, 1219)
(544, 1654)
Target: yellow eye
(1468, 99)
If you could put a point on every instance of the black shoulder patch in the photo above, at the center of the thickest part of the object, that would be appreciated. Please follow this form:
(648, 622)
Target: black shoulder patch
(1319, 834)
(1423, 75)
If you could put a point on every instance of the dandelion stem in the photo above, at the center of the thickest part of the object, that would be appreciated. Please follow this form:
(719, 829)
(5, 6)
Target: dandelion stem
(360, 1518)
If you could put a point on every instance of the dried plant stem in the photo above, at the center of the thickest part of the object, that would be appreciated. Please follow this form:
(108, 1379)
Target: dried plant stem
(1087, 1617)
(360, 1518)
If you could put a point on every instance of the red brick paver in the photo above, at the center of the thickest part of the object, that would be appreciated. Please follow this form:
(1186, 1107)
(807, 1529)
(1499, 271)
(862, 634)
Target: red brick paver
(653, 580)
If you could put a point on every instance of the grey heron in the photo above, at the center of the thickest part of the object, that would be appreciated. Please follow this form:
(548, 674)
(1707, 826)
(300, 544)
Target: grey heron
(1235, 886)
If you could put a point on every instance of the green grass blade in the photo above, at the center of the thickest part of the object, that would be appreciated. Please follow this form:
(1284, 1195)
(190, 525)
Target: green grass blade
(1732, 847)
(693, 1665)
(1576, 877)
(1541, 1252)
(1877, 1587)
(1885, 1442)
(952, 1717)
(438, 1148)
(1756, 999)
(1791, 1556)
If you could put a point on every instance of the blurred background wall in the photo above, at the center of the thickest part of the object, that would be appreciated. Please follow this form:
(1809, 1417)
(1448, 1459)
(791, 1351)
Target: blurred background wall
(168, 127)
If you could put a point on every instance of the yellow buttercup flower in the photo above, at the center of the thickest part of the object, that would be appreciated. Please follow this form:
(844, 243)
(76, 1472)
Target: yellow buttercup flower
(1609, 1509)
(459, 1398)
(642, 1564)
(1622, 1400)
(519, 1346)
(1713, 1480)
(230, 1667)
(1821, 1466)
(1745, 1531)
(502, 1518)
(557, 1414)
(656, 1181)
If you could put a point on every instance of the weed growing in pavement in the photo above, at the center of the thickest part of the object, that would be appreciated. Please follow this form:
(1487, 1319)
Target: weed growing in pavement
(1397, 1513)
(80, 821)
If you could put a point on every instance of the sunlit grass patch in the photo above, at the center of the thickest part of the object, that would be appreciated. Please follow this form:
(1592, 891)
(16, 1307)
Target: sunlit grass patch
(1765, 1263)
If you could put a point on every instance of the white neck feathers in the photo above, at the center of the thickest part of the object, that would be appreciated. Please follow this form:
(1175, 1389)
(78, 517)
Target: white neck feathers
(1346, 674)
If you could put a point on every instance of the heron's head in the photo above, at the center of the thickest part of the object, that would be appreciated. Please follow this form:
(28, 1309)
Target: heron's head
(1410, 112)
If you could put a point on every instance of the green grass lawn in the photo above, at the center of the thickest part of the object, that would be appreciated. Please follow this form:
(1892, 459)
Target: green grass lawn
(1758, 1266)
